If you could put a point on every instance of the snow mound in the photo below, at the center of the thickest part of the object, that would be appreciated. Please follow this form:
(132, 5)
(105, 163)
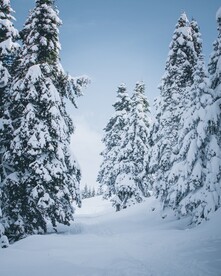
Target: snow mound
(94, 206)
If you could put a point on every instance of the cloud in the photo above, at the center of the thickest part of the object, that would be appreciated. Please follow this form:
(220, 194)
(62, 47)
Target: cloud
(86, 145)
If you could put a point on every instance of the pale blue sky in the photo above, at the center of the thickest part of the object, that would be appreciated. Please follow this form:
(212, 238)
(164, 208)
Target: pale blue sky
(114, 41)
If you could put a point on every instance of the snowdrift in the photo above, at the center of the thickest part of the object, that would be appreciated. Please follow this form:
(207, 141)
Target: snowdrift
(133, 242)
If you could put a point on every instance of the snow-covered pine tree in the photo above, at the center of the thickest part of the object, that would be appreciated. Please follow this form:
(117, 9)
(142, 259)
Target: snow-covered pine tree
(212, 194)
(84, 192)
(46, 177)
(88, 192)
(132, 184)
(214, 63)
(8, 50)
(180, 183)
(100, 191)
(93, 192)
(178, 77)
(187, 175)
(112, 140)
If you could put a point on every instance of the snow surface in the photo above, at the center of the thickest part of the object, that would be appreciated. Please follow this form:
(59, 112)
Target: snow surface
(133, 242)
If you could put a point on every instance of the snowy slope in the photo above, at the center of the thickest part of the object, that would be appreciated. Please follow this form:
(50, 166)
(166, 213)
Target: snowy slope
(133, 242)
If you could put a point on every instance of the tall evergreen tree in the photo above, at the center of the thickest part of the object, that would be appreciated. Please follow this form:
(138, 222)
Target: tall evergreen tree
(112, 140)
(214, 63)
(178, 77)
(188, 173)
(213, 145)
(8, 50)
(132, 183)
(46, 177)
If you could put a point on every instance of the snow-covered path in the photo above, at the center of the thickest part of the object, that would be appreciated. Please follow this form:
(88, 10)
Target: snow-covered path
(133, 242)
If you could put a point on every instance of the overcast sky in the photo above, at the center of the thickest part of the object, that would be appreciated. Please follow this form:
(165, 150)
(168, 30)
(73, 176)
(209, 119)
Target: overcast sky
(114, 41)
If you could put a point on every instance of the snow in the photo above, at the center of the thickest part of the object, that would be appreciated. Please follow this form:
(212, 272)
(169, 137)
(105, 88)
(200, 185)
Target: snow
(8, 45)
(4, 76)
(184, 17)
(125, 181)
(34, 73)
(180, 40)
(133, 242)
(185, 31)
(6, 2)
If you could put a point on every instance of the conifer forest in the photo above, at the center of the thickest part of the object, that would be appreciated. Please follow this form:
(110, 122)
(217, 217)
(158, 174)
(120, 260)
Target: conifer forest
(160, 171)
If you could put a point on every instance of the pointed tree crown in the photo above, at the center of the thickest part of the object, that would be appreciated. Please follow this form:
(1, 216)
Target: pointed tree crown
(40, 34)
(196, 36)
(182, 21)
(214, 63)
(118, 120)
(122, 102)
(139, 98)
(48, 2)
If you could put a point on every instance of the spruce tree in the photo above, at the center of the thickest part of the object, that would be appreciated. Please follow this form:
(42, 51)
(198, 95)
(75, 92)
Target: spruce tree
(45, 180)
(132, 183)
(8, 50)
(214, 64)
(212, 194)
(178, 77)
(85, 192)
(112, 140)
(188, 173)
(191, 191)
(93, 192)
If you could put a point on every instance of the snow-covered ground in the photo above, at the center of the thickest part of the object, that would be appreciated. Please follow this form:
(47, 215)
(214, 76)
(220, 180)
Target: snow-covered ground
(133, 242)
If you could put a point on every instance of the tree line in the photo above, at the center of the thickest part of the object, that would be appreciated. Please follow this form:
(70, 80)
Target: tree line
(176, 155)
(89, 192)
